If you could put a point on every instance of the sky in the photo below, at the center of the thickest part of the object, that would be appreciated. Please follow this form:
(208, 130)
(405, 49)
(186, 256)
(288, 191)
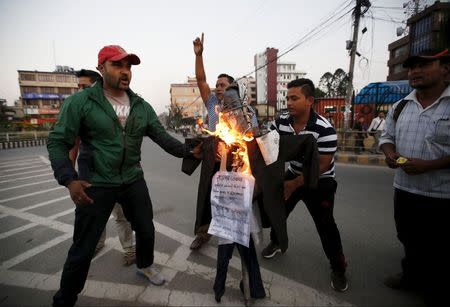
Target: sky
(40, 34)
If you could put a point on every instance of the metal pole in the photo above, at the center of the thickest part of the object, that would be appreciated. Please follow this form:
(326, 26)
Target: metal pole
(348, 99)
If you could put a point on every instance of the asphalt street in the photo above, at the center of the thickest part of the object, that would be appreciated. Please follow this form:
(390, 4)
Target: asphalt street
(36, 224)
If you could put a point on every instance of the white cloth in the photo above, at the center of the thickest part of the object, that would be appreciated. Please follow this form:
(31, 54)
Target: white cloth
(377, 123)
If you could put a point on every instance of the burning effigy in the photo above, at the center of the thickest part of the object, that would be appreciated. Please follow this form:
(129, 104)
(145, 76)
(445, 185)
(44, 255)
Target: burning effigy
(244, 188)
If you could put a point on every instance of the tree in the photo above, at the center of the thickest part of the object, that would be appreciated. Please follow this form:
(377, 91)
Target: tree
(326, 83)
(318, 93)
(175, 116)
(334, 85)
(340, 82)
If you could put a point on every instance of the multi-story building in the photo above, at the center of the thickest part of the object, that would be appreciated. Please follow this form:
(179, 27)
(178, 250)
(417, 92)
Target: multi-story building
(429, 28)
(285, 73)
(266, 83)
(43, 92)
(186, 97)
(272, 78)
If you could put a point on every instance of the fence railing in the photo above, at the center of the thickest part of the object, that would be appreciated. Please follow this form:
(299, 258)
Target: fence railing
(355, 141)
(22, 136)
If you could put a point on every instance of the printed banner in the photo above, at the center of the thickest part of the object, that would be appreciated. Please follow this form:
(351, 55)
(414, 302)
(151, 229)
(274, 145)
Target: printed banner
(231, 206)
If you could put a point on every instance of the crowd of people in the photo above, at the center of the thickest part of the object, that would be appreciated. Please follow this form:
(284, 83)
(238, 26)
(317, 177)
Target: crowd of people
(95, 151)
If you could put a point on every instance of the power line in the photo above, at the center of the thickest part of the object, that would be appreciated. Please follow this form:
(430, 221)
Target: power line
(387, 20)
(315, 31)
(388, 7)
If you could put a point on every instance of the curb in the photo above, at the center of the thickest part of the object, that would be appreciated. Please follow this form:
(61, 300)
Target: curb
(21, 144)
(377, 160)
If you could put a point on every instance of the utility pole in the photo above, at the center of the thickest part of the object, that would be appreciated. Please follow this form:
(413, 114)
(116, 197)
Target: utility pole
(353, 50)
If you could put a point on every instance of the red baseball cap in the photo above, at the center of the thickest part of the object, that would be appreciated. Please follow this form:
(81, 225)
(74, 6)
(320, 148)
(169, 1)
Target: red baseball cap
(116, 53)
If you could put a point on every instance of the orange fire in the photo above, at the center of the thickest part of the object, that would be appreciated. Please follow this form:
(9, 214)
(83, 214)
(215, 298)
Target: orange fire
(234, 139)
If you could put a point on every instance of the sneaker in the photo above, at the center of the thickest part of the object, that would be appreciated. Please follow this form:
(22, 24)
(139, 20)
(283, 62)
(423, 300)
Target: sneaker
(271, 250)
(339, 281)
(399, 282)
(200, 239)
(152, 274)
(129, 256)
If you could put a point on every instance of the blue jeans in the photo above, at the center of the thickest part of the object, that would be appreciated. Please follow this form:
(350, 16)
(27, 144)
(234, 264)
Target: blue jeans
(248, 256)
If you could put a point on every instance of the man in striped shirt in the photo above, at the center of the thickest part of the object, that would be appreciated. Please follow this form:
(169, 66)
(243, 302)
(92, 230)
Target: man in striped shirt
(302, 119)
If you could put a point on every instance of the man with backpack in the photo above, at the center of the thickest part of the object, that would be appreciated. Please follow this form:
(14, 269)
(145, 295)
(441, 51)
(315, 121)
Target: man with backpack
(416, 142)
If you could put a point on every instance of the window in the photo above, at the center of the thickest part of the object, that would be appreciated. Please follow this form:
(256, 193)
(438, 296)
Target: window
(65, 90)
(48, 90)
(46, 78)
(29, 89)
(401, 51)
(27, 77)
(398, 68)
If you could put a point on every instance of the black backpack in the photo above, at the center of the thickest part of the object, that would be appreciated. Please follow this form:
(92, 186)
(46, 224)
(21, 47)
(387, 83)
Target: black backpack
(401, 105)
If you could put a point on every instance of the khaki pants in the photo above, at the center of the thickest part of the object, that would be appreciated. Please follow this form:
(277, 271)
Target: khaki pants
(123, 229)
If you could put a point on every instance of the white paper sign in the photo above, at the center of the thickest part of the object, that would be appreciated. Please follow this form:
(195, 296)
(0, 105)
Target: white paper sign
(231, 206)
(269, 145)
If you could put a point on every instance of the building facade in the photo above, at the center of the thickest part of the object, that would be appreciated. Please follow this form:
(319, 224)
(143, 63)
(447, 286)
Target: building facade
(285, 73)
(42, 94)
(428, 29)
(186, 97)
(272, 78)
(266, 83)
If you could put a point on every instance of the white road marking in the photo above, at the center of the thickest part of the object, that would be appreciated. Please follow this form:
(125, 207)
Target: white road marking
(24, 173)
(63, 227)
(16, 230)
(34, 251)
(63, 213)
(21, 164)
(22, 168)
(26, 185)
(282, 290)
(45, 160)
(6, 162)
(30, 194)
(25, 178)
(45, 203)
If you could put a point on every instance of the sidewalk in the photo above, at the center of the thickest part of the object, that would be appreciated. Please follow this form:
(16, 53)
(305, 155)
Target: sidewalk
(365, 158)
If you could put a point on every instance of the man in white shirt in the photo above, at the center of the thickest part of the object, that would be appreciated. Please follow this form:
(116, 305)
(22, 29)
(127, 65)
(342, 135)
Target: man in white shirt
(416, 142)
(376, 128)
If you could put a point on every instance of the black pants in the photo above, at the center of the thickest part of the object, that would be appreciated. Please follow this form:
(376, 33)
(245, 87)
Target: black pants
(423, 229)
(91, 219)
(248, 256)
(359, 144)
(320, 204)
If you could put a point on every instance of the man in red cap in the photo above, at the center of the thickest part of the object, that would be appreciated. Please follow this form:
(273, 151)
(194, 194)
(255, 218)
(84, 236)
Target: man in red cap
(111, 121)
(416, 142)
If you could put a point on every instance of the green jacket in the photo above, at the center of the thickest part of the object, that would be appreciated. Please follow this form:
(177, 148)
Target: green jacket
(109, 154)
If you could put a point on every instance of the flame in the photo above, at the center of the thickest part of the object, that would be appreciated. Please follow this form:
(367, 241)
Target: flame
(234, 139)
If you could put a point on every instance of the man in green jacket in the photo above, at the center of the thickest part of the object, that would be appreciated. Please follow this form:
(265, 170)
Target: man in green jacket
(111, 121)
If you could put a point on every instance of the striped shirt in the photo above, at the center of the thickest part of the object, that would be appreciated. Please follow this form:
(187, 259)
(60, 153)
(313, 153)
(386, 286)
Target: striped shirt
(322, 131)
(423, 134)
(213, 111)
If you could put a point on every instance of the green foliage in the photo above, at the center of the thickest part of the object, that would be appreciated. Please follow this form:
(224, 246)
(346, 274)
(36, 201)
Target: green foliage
(334, 85)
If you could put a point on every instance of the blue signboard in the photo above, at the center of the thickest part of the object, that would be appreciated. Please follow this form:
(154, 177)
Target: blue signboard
(42, 96)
